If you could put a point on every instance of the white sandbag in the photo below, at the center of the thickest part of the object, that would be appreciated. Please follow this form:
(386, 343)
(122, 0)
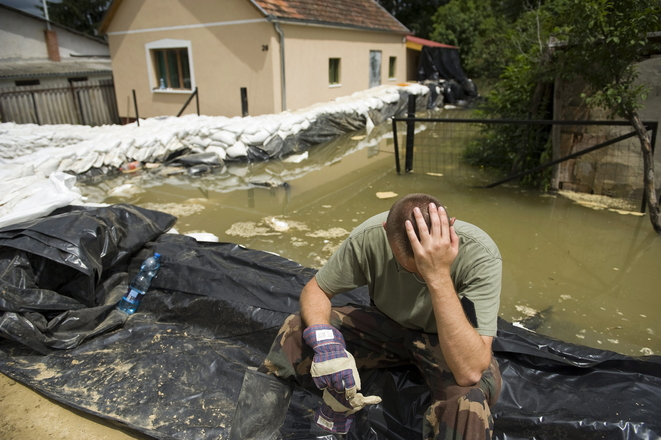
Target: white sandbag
(42, 198)
(239, 149)
(218, 144)
(226, 137)
(201, 142)
(84, 163)
(220, 151)
(257, 138)
(49, 166)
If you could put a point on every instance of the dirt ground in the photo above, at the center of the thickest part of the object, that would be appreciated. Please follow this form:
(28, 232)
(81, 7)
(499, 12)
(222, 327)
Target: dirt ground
(28, 415)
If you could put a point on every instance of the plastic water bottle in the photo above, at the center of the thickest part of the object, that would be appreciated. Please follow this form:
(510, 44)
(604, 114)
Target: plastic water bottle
(140, 284)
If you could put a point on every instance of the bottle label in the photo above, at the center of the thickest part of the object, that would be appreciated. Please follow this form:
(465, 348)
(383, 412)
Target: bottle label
(132, 296)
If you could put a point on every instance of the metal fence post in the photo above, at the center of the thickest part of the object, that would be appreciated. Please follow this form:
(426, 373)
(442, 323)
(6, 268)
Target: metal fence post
(410, 134)
(135, 104)
(396, 144)
(244, 101)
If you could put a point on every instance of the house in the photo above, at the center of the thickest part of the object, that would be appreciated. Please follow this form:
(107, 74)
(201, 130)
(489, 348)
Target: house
(285, 54)
(48, 73)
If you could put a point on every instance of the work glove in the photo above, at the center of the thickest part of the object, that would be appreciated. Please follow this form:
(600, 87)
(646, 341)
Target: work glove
(337, 412)
(332, 366)
(334, 371)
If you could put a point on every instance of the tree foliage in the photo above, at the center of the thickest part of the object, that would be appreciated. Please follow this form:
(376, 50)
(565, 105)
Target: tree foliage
(81, 15)
(477, 30)
(523, 92)
(603, 39)
(414, 14)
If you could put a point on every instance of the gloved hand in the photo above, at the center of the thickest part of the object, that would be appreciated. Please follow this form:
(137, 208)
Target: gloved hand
(337, 413)
(334, 371)
(332, 366)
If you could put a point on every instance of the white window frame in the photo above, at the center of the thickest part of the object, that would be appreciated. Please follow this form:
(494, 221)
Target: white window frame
(169, 43)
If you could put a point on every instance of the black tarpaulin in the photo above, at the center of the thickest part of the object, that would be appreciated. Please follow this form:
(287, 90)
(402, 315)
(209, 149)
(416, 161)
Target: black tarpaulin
(174, 369)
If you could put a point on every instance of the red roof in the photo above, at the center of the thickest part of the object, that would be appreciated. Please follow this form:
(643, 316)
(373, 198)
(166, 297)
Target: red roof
(363, 14)
(423, 42)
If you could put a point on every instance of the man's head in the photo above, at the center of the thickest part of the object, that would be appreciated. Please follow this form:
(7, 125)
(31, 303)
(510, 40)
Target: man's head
(401, 211)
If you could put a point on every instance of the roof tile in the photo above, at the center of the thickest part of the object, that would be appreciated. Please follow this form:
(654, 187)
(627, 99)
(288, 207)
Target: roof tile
(366, 14)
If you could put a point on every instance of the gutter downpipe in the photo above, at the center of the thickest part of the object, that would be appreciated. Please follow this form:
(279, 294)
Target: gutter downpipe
(283, 83)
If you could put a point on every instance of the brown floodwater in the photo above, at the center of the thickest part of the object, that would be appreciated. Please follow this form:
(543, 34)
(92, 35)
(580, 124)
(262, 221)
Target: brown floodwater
(595, 271)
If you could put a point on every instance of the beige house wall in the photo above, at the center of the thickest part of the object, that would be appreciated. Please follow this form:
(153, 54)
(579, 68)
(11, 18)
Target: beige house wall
(307, 53)
(231, 45)
(225, 54)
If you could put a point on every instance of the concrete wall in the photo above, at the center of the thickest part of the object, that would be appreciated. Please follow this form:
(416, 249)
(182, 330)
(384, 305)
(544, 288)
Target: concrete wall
(22, 38)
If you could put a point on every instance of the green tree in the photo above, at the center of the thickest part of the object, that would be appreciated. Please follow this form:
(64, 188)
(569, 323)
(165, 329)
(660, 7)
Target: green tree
(602, 41)
(478, 31)
(81, 15)
(414, 14)
(524, 91)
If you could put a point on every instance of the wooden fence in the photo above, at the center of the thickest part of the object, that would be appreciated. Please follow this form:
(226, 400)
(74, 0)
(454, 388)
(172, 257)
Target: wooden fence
(85, 102)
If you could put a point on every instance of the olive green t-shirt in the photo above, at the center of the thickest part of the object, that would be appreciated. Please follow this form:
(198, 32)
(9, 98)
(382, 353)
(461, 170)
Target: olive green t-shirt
(365, 258)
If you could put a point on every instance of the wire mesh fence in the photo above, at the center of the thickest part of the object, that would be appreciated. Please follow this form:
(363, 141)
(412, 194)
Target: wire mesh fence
(593, 157)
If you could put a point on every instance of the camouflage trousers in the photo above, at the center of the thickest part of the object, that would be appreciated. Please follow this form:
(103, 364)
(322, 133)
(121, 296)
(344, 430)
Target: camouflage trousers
(376, 341)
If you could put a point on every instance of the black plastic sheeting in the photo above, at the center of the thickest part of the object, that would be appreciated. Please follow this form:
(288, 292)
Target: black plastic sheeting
(444, 64)
(174, 369)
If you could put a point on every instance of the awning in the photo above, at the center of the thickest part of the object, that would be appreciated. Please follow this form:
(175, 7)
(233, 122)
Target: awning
(416, 43)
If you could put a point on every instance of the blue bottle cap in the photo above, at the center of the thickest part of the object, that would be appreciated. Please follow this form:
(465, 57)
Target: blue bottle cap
(157, 255)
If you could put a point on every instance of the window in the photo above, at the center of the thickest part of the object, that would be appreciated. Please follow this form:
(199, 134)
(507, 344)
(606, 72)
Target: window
(77, 79)
(170, 66)
(392, 67)
(334, 71)
(172, 70)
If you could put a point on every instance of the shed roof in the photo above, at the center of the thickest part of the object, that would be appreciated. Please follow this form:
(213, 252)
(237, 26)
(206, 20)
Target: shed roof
(42, 68)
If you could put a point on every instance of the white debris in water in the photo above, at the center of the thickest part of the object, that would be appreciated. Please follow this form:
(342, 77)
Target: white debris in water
(528, 311)
(613, 341)
(268, 226)
(125, 190)
(647, 351)
(278, 225)
(386, 195)
(330, 233)
(38, 152)
(179, 210)
(249, 229)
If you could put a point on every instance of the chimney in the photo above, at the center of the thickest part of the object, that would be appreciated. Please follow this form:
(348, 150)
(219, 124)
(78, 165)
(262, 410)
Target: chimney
(52, 46)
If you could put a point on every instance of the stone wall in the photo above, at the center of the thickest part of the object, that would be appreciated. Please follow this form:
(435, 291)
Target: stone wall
(617, 170)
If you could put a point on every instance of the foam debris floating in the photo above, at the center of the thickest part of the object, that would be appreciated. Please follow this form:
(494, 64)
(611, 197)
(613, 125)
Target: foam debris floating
(38, 151)
(386, 195)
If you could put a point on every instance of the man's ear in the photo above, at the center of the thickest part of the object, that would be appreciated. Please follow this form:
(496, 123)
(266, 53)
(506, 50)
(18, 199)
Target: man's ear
(384, 225)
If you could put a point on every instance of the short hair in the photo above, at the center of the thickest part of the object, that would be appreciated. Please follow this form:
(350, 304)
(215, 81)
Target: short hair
(401, 211)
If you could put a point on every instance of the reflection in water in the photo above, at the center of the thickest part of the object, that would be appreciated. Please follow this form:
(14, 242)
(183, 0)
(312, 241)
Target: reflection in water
(594, 273)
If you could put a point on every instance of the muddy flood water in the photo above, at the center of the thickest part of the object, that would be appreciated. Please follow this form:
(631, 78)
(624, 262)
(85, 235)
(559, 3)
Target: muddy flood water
(593, 272)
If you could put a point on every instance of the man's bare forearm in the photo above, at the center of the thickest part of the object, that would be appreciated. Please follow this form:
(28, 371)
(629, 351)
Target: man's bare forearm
(315, 304)
(466, 352)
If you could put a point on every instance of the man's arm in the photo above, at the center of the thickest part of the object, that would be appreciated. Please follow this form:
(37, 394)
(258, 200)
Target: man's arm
(315, 304)
(466, 352)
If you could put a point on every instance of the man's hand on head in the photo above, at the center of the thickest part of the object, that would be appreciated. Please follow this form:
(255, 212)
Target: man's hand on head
(437, 246)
